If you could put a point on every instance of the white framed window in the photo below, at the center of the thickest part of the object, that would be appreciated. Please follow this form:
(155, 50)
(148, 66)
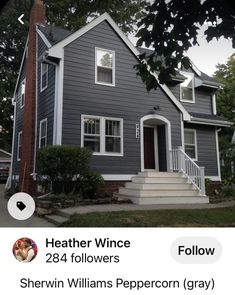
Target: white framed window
(190, 143)
(104, 67)
(91, 131)
(22, 93)
(44, 76)
(19, 145)
(103, 135)
(187, 88)
(43, 133)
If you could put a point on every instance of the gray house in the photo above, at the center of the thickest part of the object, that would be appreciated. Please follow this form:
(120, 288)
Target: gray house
(88, 94)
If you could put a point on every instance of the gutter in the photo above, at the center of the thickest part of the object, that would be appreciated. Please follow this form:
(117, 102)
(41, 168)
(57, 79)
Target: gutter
(210, 122)
(212, 84)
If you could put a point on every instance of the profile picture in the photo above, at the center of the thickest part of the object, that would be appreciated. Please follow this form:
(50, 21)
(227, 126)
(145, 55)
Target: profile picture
(25, 250)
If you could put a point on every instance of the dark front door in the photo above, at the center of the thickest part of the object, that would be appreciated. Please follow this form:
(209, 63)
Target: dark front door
(161, 132)
(149, 156)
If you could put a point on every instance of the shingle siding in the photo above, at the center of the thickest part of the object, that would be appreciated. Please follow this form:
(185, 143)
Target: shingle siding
(128, 99)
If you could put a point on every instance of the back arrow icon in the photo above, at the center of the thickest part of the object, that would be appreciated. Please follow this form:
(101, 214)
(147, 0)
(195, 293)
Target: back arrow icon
(20, 19)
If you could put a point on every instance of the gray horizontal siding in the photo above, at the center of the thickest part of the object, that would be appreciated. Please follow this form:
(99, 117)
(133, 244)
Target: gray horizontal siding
(206, 145)
(128, 99)
(46, 98)
(18, 120)
(41, 46)
(203, 101)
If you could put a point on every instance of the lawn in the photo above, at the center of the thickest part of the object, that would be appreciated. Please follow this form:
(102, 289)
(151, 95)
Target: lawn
(219, 217)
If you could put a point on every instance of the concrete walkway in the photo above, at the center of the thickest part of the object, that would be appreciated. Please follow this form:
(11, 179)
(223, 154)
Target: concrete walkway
(7, 221)
(131, 207)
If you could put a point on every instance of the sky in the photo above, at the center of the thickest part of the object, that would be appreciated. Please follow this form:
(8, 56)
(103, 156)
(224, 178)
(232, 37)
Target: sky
(207, 55)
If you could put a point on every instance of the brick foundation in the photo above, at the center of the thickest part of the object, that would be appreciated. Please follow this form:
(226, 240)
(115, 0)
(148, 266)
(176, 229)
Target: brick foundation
(212, 186)
(111, 187)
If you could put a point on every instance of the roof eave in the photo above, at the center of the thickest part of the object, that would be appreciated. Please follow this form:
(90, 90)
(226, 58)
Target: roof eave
(212, 84)
(210, 122)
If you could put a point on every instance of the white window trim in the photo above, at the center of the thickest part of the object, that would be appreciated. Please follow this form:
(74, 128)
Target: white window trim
(113, 68)
(18, 141)
(193, 88)
(42, 89)
(195, 141)
(102, 135)
(21, 104)
(40, 129)
(213, 98)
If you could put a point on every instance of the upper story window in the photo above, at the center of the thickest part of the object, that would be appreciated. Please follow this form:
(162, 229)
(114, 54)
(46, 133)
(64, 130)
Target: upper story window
(44, 76)
(19, 145)
(22, 94)
(43, 133)
(190, 143)
(105, 67)
(187, 92)
(104, 136)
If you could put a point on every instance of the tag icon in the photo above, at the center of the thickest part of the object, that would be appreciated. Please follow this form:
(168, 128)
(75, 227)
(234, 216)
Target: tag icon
(20, 205)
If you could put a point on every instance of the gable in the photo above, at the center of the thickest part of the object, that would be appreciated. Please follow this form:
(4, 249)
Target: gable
(57, 51)
(128, 100)
(22, 66)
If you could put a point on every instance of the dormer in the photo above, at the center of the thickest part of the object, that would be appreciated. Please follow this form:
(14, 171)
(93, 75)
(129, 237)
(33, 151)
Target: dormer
(187, 88)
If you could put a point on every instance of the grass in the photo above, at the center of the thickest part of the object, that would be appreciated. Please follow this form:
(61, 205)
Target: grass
(218, 217)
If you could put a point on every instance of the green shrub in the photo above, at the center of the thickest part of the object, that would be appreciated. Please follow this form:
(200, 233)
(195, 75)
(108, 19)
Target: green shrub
(62, 166)
(228, 192)
(89, 183)
(208, 186)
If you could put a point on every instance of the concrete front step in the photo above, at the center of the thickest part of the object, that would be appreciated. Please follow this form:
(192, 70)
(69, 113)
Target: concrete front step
(160, 174)
(160, 186)
(62, 213)
(152, 187)
(55, 219)
(139, 179)
(165, 200)
(158, 193)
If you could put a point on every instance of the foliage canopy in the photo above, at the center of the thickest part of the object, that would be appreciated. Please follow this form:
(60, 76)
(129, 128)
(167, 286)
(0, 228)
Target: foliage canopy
(171, 28)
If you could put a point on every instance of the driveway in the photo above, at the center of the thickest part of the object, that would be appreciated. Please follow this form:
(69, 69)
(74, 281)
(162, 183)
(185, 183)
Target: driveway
(7, 221)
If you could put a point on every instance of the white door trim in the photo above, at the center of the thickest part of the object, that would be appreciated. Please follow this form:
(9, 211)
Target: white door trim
(155, 142)
(168, 137)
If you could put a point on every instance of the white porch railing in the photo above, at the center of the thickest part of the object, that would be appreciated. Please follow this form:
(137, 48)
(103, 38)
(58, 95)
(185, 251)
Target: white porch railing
(183, 163)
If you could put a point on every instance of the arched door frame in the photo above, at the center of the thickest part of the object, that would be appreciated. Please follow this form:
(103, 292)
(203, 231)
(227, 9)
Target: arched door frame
(168, 138)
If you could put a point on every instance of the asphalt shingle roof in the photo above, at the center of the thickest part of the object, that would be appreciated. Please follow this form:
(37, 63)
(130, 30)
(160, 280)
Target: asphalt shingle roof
(54, 34)
(207, 116)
